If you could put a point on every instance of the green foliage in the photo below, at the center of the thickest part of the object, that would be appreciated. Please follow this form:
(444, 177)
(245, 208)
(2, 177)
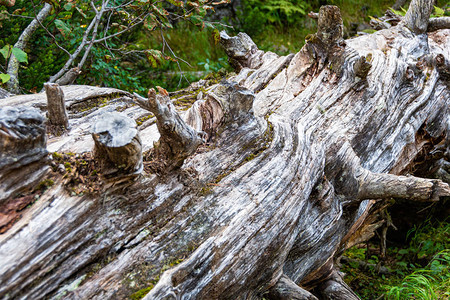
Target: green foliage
(4, 77)
(419, 270)
(141, 293)
(109, 62)
(211, 66)
(429, 283)
(401, 12)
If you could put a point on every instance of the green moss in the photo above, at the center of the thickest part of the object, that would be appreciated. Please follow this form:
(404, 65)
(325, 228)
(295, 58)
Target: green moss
(44, 184)
(141, 120)
(205, 191)
(312, 38)
(57, 155)
(141, 293)
(322, 111)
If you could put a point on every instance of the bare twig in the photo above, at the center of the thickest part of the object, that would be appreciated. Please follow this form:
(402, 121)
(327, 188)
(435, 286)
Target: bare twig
(98, 17)
(49, 33)
(13, 65)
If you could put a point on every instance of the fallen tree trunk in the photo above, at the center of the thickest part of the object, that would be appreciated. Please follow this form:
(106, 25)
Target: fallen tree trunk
(295, 158)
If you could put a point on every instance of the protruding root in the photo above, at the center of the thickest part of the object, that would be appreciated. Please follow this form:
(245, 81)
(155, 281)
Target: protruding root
(373, 186)
(57, 113)
(178, 140)
(241, 50)
(438, 23)
(117, 145)
(286, 289)
(336, 289)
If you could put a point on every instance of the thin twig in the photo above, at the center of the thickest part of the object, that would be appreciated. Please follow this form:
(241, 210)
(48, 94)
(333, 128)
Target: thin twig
(48, 32)
(19, 16)
(126, 29)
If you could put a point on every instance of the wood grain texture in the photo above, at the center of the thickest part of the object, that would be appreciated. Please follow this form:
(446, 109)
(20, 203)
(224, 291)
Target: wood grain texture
(56, 106)
(272, 193)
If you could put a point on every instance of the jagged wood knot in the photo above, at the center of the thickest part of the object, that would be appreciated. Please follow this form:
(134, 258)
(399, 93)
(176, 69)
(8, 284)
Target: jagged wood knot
(178, 140)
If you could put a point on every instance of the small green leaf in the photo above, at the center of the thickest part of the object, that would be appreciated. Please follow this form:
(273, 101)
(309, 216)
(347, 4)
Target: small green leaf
(216, 36)
(150, 23)
(439, 12)
(177, 3)
(4, 77)
(62, 27)
(68, 6)
(154, 57)
(6, 51)
(81, 12)
(20, 55)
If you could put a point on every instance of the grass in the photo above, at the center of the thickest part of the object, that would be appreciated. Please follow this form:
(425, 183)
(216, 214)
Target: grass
(418, 270)
(429, 283)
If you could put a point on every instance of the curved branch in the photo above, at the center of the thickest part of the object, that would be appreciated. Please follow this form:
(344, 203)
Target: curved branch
(13, 65)
(438, 23)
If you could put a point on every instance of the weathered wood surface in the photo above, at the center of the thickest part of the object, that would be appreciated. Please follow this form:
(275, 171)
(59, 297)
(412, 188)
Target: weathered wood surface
(269, 200)
(22, 150)
(56, 106)
(118, 146)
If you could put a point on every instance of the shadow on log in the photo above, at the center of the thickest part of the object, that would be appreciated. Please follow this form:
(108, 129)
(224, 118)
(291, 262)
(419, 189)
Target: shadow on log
(268, 177)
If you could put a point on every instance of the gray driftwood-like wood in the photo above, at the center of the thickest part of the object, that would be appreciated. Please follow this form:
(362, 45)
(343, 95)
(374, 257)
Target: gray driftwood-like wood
(56, 106)
(438, 23)
(23, 150)
(4, 94)
(178, 140)
(335, 288)
(69, 77)
(117, 145)
(279, 190)
(286, 289)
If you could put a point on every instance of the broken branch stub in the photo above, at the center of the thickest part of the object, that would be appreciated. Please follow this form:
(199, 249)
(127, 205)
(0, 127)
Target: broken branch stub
(242, 52)
(117, 145)
(418, 15)
(178, 140)
(57, 113)
(225, 104)
(69, 77)
(327, 44)
(23, 152)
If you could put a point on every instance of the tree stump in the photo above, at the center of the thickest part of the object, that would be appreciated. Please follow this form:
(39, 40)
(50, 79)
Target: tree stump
(117, 145)
(56, 106)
